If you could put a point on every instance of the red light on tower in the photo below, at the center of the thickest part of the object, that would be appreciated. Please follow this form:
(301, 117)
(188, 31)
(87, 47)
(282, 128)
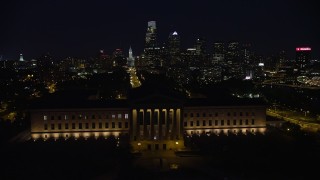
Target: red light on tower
(303, 49)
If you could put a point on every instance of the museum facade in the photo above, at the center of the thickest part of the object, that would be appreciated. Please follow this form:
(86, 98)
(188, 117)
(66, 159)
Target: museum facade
(155, 122)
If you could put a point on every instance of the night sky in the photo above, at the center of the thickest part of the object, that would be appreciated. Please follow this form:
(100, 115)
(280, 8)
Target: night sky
(80, 28)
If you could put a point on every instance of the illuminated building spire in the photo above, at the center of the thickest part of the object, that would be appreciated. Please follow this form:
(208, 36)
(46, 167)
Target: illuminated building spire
(21, 58)
(130, 53)
(130, 59)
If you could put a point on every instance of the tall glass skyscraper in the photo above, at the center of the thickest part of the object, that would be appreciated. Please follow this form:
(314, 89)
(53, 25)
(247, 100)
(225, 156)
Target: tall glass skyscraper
(152, 50)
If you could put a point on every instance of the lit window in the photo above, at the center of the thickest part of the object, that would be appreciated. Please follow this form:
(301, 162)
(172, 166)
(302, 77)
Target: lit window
(65, 117)
(45, 117)
(113, 116)
(119, 116)
(126, 116)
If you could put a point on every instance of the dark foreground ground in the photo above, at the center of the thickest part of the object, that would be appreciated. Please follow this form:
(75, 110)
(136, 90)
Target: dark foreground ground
(275, 155)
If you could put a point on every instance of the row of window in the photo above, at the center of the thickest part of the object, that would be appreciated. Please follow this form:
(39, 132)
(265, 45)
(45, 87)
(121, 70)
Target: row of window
(217, 114)
(222, 122)
(229, 131)
(81, 116)
(86, 125)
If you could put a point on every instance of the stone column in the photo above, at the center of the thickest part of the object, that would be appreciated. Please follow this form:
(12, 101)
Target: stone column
(178, 129)
(133, 125)
(174, 124)
(145, 129)
(160, 123)
(151, 124)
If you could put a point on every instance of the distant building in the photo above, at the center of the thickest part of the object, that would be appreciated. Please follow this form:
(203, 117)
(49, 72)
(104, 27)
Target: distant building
(153, 122)
(233, 52)
(21, 57)
(152, 50)
(130, 59)
(303, 56)
(218, 53)
(174, 48)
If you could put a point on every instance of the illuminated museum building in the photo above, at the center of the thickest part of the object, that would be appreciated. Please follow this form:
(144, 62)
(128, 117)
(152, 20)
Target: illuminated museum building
(154, 122)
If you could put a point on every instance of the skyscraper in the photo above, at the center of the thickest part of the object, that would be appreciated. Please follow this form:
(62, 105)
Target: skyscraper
(151, 50)
(200, 46)
(218, 53)
(233, 53)
(21, 58)
(130, 59)
(303, 55)
(174, 47)
(151, 35)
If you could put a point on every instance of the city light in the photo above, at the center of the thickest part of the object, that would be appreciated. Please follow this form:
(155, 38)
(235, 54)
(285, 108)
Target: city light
(303, 49)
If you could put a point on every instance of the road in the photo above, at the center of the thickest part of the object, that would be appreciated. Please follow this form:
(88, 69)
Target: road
(304, 124)
(134, 80)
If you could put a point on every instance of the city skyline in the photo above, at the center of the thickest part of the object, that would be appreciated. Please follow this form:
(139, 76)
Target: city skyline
(81, 29)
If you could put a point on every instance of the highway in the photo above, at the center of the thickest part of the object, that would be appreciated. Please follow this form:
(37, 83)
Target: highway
(304, 124)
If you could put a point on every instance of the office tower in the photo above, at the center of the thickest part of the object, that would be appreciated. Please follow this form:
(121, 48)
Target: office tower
(151, 50)
(200, 46)
(21, 58)
(303, 55)
(151, 35)
(118, 58)
(218, 53)
(232, 53)
(174, 47)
